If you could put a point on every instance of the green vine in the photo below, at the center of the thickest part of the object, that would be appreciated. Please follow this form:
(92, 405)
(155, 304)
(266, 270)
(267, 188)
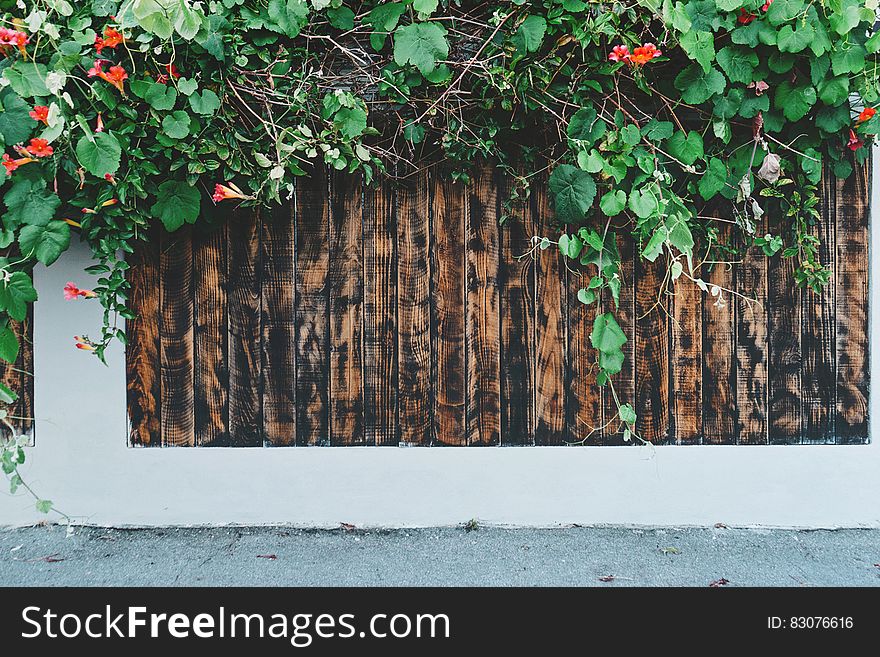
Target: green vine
(662, 120)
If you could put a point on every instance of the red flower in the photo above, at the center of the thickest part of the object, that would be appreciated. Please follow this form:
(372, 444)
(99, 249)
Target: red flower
(11, 165)
(172, 71)
(40, 113)
(854, 142)
(83, 343)
(766, 6)
(97, 68)
(644, 54)
(115, 75)
(39, 148)
(619, 54)
(9, 37)
(866, 114)
(111, 39)
(71, 291)
(222, 193)
(745, 17)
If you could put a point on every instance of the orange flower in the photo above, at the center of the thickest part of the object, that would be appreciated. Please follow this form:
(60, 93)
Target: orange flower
(11, 165)
(115, 75)
(39, 148)
(644, 54)
(111, 39)
(40, 113)
(83, 343)
(99, 125)
(71, 291)
(866, 114)
(71, 222)
(222, 193)
(9, 37)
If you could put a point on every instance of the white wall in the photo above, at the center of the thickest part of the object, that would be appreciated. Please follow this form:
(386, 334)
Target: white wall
(82, 463)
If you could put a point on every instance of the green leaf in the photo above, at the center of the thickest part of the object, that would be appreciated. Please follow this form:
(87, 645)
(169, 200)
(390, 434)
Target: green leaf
(873, 44)
(44, 506)
(573, 192)
(585, 126)
(845, 19)
(99, 155)
(700, 46)
(16, 294)
(27, 78)
(342, 18)
(29, 202)
(176, 203)
(384, 18)
(288, 16)
(833, 119)
(626, 412)
(425, 7)
(631, 135)
(160, 96)
(795, 102)
(15, 123)
(607, 338)
(714, 179)
(657, 130)
(782, 11)
(351, 121)
(204, 103)
(420, 44)
(698, 86)
(849, 59)
(643, 203)
(176, 124)
(8, 345)
(751, 105)
(686, 148)
(791, 40)
(728, 105)
(46, 243)
(154, 16)
(530, 34)
(7, 395)
(612, 203)
(570, 246)
(187, 86)
(679, 233)
(738, 63)
(834, 90)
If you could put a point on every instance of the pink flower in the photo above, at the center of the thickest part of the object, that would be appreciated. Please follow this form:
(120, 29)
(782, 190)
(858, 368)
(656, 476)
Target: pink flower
(760, 87)
(222, 192)
(619, 54)
(766, 5)
(71, 291)
(854, 142)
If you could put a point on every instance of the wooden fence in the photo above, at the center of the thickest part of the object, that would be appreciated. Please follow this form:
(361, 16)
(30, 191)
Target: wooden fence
(405, 314)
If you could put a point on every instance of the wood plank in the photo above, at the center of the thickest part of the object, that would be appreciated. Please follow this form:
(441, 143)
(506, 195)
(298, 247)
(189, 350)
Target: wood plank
(414, 311)
(483, 342)
(279, 326)
(751, 346)
(380, 316)
(583, 396)
(449, 210)
(719, 351)
(818, 331)
(652, 352)
(245, 332)
(517, 290)
(686, 362)
(312, 310)
(784, 342)
(550, 337)
(142, 366)
(19, 378)
(346, 290)
(176, 338)
(624, 382)
(211, 337)
(851, 203)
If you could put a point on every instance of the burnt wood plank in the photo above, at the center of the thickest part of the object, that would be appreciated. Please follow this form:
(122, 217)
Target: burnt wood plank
(686, 361)
(583, 397)
(652, 351)
(784, 323)
(851, 204)
(414, 311)
(144, 390)
(483, 390)
(517, 290)
(278, 324)
(19, 378)
(346, 310)
(751, 346)
(176, 338)
(449, 211)
(550, 337)
(719, 351)
(380, 316)
(312, 310)
(210, 351)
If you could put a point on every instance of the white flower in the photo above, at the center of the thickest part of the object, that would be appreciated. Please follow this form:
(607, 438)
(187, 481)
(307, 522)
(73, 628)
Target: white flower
(55, 81)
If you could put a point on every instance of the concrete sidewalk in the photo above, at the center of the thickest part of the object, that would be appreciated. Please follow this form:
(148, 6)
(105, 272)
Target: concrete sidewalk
(457, 556)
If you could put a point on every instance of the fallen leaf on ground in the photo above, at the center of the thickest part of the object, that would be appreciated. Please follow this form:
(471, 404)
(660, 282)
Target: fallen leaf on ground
(267, 556)
(720, 525)
(719, 582)
(607, 578)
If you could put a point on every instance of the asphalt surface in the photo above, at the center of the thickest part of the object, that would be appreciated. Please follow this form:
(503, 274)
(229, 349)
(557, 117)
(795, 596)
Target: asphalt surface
(451, 556)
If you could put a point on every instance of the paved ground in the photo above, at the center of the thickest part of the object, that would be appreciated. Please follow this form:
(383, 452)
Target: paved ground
(445, 556)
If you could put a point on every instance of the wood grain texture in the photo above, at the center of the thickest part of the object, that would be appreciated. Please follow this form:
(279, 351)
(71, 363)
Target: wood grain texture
(751, 347)
(517, 306)
(278, 323)
(449, 212)
(176, 338)
(719, 353)
(550, 337)
(312, 310)
(380, 316)
(784, 322)
(19, 377)
(210, 337)
(414, 311)
(142, 351)
(652, 352)
(583, 398)
(482, 327)
(851, 295)
(686, 361)
(346, 289)
(245, 331)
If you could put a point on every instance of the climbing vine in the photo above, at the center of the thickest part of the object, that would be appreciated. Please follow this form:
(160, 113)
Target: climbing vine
(653, 120)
